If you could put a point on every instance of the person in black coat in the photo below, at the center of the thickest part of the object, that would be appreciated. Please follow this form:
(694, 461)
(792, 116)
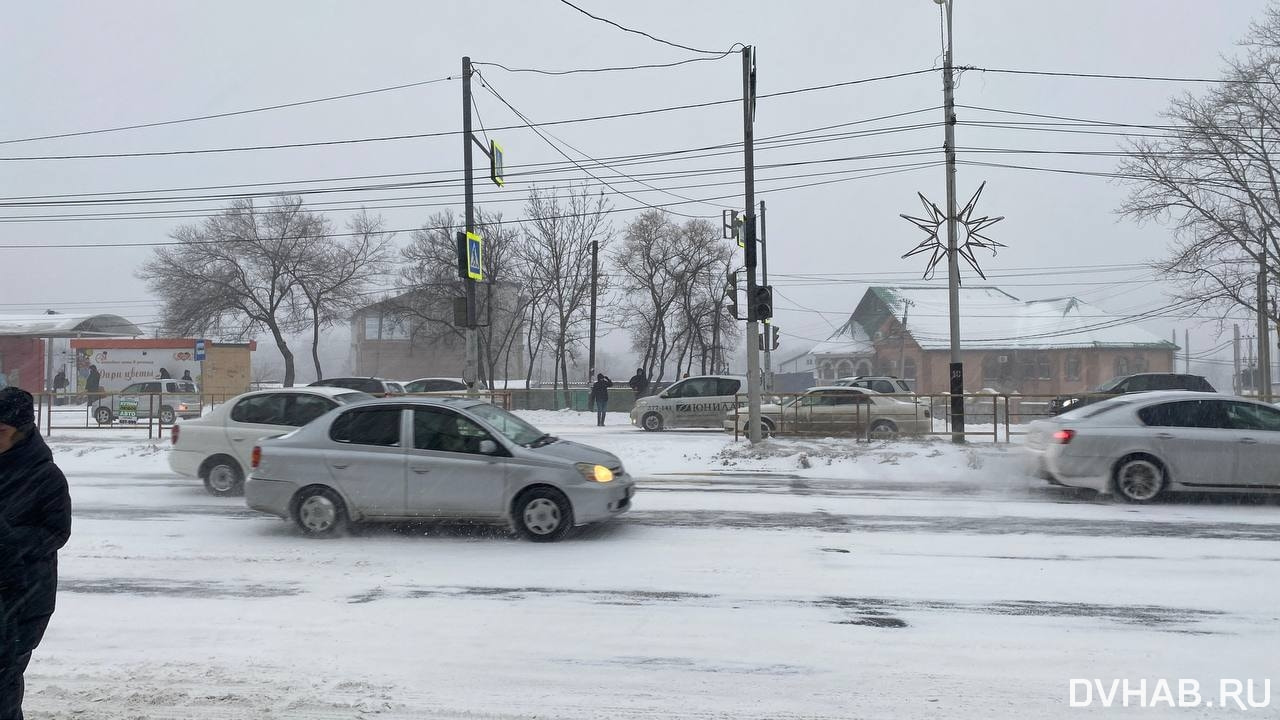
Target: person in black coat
(35, 521)
(639, 383)
(600, 397)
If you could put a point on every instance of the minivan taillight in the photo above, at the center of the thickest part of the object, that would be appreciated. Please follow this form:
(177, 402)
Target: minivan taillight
(173, 434)
(256, 457)
(1062, 437)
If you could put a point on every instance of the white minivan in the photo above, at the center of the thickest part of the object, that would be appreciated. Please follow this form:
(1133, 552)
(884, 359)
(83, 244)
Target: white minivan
(692, 402)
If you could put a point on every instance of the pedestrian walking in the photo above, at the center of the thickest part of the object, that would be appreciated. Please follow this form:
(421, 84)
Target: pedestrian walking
(600, 396)
(59, 387)
(93, 384)
(186, 375)
(35, 521)
(164, 374)
(639, 383)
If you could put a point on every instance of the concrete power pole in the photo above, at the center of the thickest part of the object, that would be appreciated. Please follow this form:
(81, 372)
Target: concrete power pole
(764, 280)
(1235, 359)
(591, 347)
(1186, 351)
(749, 241)
(1264, 341)
(469, 374)
(953, 261)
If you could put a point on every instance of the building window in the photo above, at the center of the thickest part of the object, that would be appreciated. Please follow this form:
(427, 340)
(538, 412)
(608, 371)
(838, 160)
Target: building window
(844, 368)
(1044, 367)
(825, 372)
(909, 369)
(993, 368)
(385, 327)
(1122, 366)
(1073, 367)
(1140, 363)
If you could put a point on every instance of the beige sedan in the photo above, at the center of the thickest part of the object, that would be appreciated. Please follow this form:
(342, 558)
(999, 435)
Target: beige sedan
(837, 411)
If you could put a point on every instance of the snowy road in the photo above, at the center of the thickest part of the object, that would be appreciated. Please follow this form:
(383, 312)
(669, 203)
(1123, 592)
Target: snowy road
(912, 581)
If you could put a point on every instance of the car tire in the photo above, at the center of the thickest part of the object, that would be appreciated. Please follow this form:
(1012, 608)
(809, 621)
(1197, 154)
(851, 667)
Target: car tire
(319, 512)
(223, 477)
(652, 422)
(883, 430)
(103, 415)
(766, 429)
(1140, 479)
(542, 514)
(167, 415)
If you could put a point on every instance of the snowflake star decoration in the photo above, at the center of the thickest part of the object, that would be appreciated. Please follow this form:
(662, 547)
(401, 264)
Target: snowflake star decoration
(974, 229)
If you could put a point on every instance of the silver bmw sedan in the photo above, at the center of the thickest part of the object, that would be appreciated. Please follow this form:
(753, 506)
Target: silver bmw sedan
(434, 458)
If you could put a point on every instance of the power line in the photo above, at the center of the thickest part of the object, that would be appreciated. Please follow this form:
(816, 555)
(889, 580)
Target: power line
(231, 113)
(641, 32)
(619, 68)
(444, 133)
(1111, 76)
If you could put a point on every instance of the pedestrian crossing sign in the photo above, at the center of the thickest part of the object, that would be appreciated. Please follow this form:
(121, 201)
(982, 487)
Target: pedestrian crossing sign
(475, 256)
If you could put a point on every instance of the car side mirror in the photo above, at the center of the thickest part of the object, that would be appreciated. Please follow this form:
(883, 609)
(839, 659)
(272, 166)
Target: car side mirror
(663, 395)
(488, 447)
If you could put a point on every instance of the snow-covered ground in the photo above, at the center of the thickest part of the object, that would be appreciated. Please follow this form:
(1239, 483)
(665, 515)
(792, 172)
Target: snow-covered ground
(797, 579)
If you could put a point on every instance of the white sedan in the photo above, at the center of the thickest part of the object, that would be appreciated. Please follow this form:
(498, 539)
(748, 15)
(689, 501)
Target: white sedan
(217, 448)
(1145, 445)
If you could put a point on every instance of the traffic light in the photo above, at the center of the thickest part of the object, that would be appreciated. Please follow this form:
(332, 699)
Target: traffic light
(773, 333)
(763, 302)
(731, 290)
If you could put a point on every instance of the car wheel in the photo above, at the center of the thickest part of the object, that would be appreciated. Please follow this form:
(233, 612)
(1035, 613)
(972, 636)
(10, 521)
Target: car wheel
(223, 477)
(166, 415)
(883, 430)
(766, 429)
(102, 415)
(543, 514)
(1140, 479)
(651, 422)
(320, 513)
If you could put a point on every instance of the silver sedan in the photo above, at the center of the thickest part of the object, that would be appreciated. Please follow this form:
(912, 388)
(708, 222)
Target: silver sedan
(1144, 445)
(414, 458)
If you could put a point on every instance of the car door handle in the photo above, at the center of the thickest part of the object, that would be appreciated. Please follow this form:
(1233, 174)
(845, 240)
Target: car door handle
(341, 466)
(1248, 441)
(421, 470)
(1165, 436)
(237, 439)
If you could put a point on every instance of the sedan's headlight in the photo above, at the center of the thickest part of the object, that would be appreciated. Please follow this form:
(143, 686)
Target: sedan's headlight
(595, 473)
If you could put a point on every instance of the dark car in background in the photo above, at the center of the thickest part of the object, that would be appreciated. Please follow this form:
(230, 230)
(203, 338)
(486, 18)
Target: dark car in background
(376, 387)
(1125, 384)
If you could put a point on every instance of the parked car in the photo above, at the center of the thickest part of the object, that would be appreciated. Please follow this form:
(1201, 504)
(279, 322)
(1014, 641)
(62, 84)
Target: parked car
(167, 399)
(837, 410)
(1139, 382)
(217, 448)
(376, 387)
(886, 384)
(439, 458)
(692, 402)
(1143, 446)
(435, 384)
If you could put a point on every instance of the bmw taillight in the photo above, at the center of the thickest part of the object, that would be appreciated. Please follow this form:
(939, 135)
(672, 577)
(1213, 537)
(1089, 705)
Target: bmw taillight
(173, 434)
(256, 457)
(1062, 437)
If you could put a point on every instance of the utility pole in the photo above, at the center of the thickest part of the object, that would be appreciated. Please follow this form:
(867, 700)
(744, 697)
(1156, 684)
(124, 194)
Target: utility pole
(1264, 340)
(1235, 359)
(749, 241)
(591, 345)
(953, 265)
(1186, 350)
(469, 374)
(768, 327)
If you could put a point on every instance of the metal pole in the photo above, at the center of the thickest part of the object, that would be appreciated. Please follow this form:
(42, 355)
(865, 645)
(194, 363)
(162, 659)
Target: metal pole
(1264, 341)
(469, 374)
(768, 328)
(1186, 351)
(1235, 361)
(953, 268)
(591, 347)
(749, 242)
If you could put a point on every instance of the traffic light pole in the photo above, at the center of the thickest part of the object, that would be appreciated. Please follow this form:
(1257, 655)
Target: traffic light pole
(767, 377)
(469, 374)
(749, 243)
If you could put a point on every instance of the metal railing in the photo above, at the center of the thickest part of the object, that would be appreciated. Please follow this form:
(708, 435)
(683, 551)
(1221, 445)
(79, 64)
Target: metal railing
(80, 411)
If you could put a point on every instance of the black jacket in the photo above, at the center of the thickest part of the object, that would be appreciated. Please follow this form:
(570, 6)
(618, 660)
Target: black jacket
(638, 383)
(35, 521)
(600, 389)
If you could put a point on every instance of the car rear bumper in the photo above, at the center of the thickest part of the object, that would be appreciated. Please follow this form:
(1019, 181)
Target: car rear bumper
(597, 502)
(185, 462)
(1080, 472)
(269, 496)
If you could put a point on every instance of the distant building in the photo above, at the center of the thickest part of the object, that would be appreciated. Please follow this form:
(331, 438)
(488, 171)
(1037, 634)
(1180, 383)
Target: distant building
(33, 348)
(412, 335)
(1040, 347)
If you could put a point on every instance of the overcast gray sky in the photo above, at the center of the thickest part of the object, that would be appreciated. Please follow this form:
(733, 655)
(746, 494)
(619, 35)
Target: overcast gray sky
(78, 66)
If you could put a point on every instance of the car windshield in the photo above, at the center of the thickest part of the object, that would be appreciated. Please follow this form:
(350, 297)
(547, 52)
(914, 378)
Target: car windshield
(511, 427)
(1096, 409)
(1109, 385)
(351, 397)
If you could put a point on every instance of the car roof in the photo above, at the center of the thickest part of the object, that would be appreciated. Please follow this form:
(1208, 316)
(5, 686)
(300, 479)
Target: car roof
(844, 388)
(312, 389)
(454, 402)
(457, 380)
(1151, 397)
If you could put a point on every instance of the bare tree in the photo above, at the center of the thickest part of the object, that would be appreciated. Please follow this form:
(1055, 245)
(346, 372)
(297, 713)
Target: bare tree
(1215, 180)
(335, 277)
(557, 253)
(236, 273)
(430, 267)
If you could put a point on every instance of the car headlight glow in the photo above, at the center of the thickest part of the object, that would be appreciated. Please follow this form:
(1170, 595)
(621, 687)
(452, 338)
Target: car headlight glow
(595, 473)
